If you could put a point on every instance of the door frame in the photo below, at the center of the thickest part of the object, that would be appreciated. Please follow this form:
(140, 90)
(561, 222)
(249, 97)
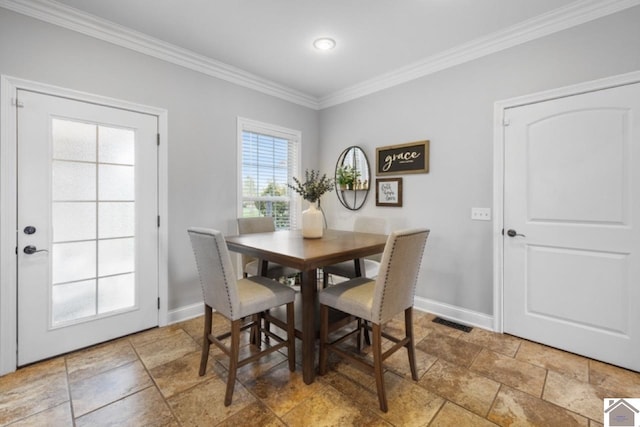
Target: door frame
(499, 164)
(8, 203)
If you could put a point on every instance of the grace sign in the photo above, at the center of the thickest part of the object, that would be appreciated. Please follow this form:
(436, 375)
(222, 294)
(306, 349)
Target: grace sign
(405, 158)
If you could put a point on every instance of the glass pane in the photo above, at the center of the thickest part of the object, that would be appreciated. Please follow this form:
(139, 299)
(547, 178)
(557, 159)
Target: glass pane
(74, 221)
(73, 261)
(116, 146)
(73, 301)
(116, 256)
(116, 219)
(116, 293)
(268, 164)
(73, 140)
(74, 181)
(116, 183)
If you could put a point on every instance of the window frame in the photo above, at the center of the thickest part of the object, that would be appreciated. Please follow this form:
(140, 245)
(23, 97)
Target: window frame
(293, 136)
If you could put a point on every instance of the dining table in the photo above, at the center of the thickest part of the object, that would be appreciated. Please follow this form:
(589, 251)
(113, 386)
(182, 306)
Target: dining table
(290, 249)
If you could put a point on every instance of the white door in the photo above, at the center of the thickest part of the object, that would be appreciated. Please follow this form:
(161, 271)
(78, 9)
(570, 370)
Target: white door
(87, 224)
(572, 199)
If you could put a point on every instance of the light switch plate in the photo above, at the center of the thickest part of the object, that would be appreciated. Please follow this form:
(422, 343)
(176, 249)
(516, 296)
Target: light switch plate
(481, 214)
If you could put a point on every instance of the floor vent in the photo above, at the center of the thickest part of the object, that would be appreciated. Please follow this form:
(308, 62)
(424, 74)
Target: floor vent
(453, 325)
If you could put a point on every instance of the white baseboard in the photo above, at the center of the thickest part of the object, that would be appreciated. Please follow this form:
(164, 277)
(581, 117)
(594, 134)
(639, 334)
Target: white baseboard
(449, 312)
(454, 313)
(185, 313)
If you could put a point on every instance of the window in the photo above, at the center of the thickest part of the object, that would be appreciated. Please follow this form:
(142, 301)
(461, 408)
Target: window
(268, 159)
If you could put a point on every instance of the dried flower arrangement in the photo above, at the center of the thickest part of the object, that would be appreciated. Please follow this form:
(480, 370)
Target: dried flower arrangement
(313, 187)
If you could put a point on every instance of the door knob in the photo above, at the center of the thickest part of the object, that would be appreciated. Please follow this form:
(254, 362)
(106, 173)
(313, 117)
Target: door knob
(513, 233)
(30, 250)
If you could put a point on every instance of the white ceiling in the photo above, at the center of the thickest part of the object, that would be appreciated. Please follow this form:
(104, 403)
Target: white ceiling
(376, 39)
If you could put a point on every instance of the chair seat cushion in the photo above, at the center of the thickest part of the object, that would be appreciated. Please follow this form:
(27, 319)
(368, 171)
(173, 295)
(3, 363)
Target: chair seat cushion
(258, 294)
(354, 296)
(348, 269)
(275, 270)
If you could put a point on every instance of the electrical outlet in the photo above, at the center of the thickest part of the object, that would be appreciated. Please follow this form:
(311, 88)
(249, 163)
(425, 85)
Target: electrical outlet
(481, 214)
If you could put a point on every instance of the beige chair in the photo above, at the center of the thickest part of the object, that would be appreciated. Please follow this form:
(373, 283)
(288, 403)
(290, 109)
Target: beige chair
(261, 224)
(235, 300)
(377, 302)
(369, 266)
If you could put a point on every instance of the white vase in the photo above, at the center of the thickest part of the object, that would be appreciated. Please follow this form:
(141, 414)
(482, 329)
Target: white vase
(312, 222)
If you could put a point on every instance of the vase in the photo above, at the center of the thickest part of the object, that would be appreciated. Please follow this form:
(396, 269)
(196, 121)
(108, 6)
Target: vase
(312, 222)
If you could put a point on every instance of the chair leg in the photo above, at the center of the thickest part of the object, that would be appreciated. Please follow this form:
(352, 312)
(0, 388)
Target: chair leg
(267, 327)
(325, 280)
(377, 365)
(291, 337)
(234, 354)
(206, 343)
(408, 326)
(359, 336)
(255, 334)
(367, 339)
(324, 337)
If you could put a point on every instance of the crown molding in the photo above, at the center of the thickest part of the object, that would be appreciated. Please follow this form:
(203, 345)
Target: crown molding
(566, 17)
(572, 15)
(75, 20)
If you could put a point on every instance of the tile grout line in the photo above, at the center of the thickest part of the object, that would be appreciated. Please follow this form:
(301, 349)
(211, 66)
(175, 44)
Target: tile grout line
(71, 410)
(493, 402)
(153, 381)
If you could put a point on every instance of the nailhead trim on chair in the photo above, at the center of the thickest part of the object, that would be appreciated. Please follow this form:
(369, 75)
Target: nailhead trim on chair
(386, 280)
(415, 279)
(226, 279)
(223, 272)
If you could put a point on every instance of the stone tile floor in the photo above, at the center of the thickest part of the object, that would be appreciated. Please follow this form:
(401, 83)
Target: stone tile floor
(477, 378)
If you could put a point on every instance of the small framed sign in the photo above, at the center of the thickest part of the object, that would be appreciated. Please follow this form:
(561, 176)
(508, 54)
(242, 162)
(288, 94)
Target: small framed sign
(404, 158)
(389, 192)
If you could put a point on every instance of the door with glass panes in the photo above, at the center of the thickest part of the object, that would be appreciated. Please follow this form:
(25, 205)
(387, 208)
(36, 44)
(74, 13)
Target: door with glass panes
(87, 224)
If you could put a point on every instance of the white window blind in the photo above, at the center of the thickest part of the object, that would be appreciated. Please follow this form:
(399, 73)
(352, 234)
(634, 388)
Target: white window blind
(269, 159)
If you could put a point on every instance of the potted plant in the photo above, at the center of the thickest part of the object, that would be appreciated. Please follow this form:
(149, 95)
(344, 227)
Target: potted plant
(311, 189)
(346, 176)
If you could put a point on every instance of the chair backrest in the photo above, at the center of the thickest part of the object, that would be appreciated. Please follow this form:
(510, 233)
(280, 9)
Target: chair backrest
(369, 224)
(396, 282)
(259, 224)
(217, 275)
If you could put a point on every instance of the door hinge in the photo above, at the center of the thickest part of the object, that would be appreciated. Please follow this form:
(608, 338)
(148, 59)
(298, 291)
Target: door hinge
(17, 103)
(158, 140)
(158, 221)
(506, 122)
(158, 303)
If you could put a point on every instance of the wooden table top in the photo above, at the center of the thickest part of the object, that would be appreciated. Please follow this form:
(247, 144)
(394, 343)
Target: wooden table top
(288, 247)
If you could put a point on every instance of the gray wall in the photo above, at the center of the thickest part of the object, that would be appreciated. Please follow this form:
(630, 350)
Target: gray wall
(454, 110)
(202, 114)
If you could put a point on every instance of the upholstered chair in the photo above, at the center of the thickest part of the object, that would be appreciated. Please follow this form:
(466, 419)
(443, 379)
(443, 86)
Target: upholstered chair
(377, 301)
(369, 266)
(261, 224)
(235, 300)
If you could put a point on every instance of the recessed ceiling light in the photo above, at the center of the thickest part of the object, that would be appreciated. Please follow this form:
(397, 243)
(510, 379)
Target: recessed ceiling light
(324, 43)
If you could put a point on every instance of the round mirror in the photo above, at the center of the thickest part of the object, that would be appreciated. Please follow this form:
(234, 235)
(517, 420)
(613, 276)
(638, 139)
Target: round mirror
(352, 178)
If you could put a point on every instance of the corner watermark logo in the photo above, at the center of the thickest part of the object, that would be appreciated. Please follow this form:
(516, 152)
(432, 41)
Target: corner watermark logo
(621, 412)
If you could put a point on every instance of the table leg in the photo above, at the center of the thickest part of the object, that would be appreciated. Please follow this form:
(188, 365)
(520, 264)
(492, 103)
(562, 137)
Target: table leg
(358, 264)
(309, 288)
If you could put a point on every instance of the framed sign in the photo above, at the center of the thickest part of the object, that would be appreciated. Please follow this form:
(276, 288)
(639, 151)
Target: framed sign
(404, 158)
(389, 192)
